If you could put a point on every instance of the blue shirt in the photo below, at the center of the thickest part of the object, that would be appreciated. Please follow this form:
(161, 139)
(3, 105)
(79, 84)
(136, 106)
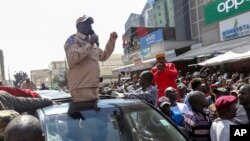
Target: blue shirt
(177, 118)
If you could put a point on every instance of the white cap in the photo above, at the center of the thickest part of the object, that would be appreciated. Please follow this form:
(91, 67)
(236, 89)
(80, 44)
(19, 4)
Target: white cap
(164, 102)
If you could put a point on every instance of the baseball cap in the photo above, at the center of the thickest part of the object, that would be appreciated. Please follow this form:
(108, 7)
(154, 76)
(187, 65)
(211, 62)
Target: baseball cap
(164, 103)
(85, 19)
(225, 101)
(220, 89)
(163, 100)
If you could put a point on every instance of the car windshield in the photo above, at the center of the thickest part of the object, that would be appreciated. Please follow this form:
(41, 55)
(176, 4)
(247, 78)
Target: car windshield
(119, 123)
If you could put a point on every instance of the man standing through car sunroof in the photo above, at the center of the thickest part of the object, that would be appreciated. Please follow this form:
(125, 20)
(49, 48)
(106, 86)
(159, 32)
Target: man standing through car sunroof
(83, 54)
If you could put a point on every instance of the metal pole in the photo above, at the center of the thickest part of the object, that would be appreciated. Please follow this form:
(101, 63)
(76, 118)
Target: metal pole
(9, 73)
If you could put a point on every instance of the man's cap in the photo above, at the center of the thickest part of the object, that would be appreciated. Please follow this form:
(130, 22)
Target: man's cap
(85, 19)
(164, 103)
(225, 101)
(220, 89)
(160, 55)
(163, 100)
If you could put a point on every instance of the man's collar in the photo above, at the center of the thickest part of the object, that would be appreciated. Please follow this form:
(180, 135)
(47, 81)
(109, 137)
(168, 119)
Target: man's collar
(81, 36)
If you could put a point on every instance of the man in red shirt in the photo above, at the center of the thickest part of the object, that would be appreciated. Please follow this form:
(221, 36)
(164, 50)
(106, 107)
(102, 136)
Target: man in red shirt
(165, 75)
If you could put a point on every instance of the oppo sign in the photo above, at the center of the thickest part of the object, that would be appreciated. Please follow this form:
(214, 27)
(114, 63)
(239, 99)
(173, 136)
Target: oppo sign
(229, 4)
(218, 10)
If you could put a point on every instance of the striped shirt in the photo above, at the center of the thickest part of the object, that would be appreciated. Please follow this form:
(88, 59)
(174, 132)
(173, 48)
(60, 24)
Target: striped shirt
(197, 124)
(149, 95)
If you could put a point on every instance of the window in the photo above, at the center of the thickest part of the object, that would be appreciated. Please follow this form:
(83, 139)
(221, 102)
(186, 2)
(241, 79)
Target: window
(200, 12)
(195, 30)
(192, 3)
(193, 15)
(58, 65)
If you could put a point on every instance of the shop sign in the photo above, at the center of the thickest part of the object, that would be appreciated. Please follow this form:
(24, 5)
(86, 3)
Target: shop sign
(146, 53)
(235, 27)
(222, 9)
(151, 38)
(136, 58)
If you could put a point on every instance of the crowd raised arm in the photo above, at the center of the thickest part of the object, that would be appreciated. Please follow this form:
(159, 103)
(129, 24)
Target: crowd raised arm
(208, 105)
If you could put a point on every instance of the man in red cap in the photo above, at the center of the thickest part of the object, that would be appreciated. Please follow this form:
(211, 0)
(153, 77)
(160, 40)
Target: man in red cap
(165, 75)
(226, 107)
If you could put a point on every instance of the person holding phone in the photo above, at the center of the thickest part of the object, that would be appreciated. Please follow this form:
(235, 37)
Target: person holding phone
(165, 75)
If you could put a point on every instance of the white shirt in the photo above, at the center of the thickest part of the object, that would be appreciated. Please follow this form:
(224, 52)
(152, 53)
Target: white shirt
(220, 130)
(180, 107)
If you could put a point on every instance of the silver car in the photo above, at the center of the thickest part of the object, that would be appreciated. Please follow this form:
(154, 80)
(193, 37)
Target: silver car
(107, 120)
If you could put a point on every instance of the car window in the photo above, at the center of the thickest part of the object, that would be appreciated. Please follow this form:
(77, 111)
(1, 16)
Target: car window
(120, 123)
(149, 125)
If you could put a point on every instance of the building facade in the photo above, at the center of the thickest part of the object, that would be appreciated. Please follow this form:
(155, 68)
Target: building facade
(182, 20)
(163, 13)
(162, 20)
(41, 76)
(58, 69)
(132, 21)
(107, 66)
(197, 18)
(147, 14)
(226, 33)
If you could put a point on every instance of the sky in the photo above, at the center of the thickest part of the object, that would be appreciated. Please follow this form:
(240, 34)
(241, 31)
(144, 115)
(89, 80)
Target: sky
(33, 32)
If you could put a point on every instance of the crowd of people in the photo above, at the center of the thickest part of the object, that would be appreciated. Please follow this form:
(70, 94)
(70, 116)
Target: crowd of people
(203, 104)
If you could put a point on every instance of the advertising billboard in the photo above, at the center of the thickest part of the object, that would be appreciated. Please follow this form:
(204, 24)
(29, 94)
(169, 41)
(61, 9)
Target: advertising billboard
(222, 9)
(235, 27)
(146, 53)
(152, 38)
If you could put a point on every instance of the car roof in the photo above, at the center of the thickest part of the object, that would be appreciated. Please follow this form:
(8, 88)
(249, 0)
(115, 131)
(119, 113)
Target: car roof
(81, 106)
